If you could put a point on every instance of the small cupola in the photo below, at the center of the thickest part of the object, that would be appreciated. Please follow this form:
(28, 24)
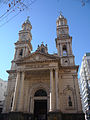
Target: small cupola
(23, 45)
(61, 20)
(27, 25)
(25, 33)
(43, 48)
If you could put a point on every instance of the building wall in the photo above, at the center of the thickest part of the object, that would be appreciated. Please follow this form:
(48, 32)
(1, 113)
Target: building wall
(10, 92)
(3, 88)
(85, 83)
(68, 86)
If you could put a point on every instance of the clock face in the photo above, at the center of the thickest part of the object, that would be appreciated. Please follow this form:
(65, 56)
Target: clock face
(66, 62)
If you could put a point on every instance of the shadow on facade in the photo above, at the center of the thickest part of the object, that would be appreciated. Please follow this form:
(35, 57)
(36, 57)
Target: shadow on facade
(50, 116)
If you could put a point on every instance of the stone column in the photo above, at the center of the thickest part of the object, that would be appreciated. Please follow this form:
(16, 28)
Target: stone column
(71, 47)
(58, 51)
(61, 50)
(31, 104)
(21, 92)
(68, 49)
(24, 51)
(18, 52)
(57, 89)
(51, 91)
(16, 92)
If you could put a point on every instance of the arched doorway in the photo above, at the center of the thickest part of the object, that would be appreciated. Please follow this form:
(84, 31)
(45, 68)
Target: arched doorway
(40, 105)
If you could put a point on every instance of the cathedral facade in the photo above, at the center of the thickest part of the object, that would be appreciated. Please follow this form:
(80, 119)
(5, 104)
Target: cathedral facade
(43, 85)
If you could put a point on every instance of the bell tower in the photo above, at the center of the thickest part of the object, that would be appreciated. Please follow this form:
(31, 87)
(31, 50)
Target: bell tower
(64, 41)
(23, 45)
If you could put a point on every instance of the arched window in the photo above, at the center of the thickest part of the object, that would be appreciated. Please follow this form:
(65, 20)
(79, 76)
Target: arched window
(11, 102)
(69, 101)
(42, 50)
(40, 92)
(64, 50)
(21, 52)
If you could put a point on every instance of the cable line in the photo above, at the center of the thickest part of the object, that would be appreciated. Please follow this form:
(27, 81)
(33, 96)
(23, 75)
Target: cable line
(10, 19)
(9, 12)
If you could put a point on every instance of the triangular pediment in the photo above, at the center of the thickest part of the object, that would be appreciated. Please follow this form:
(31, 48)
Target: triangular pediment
(37, 57)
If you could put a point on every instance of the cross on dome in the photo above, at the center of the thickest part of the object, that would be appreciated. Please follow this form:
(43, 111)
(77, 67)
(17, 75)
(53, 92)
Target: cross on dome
(28, 21)
(61, 16)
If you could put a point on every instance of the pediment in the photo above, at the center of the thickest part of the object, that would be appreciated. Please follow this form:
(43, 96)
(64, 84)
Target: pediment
(38, 57)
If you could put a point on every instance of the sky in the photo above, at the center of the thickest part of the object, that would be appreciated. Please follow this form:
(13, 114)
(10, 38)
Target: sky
(43, 15)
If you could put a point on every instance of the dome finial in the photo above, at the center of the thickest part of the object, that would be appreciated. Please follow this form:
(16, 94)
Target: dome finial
(28, 17)
(60, 12)
(28, 21)
(61, 16)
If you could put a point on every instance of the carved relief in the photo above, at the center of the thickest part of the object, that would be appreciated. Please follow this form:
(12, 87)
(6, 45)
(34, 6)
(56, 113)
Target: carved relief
(37, 66)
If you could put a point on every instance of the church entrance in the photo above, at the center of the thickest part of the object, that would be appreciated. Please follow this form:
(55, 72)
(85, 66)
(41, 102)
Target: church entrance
(40, 105)
(40, 109)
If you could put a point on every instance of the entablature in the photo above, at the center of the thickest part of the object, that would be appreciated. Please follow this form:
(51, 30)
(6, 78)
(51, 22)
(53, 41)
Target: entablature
(38, 66)
(67, 40)
(68, 68)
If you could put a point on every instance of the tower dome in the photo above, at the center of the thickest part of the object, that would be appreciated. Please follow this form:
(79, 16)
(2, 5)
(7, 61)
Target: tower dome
(61, 20)
(27, 24)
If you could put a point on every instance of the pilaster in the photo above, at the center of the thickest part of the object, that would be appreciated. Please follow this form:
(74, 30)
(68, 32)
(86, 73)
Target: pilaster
(57, 89)
(52, 96)
(16, 92)
(21, 92)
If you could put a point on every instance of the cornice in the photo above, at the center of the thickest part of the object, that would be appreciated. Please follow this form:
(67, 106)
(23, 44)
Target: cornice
(64, 38)
(70, 67)
(34, 61)
(11, 71)
(21, 42)
(68, 56)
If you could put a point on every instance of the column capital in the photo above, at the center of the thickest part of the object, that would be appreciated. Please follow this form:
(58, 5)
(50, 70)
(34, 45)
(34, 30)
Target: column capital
(56, 69)
(74, 75)
(19, 70)
(51, 69)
